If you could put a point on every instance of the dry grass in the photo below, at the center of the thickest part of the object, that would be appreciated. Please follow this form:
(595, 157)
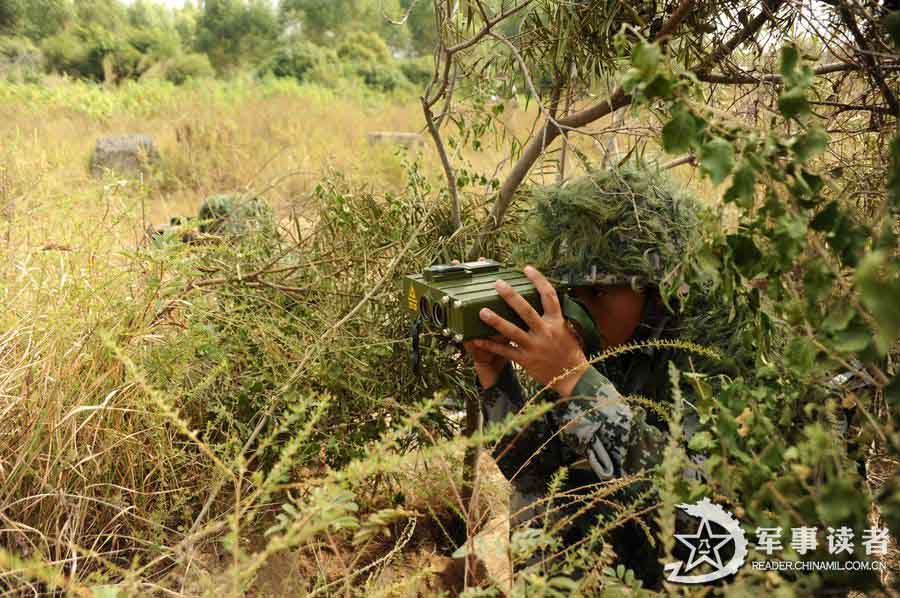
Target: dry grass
(91, 468)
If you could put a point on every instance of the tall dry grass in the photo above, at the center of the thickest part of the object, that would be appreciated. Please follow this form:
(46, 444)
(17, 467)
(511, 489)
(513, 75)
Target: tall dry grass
(110, 473)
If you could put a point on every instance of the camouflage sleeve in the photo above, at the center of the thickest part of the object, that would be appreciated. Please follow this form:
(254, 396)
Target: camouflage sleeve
(503, 398)
(527, 457)
(614, 437)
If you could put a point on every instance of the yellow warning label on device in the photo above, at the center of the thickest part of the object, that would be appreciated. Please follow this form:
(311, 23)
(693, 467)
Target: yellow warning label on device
(411, 299)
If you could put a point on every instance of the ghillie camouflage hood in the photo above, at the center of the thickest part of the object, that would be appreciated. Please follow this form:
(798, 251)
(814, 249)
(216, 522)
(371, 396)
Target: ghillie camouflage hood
(234, 215)
(635, 227)
(623, 227)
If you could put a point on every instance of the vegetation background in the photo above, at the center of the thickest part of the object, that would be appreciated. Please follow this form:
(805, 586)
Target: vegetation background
(238, 416)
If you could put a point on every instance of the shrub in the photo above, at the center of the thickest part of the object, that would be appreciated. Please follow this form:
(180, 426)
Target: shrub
(418, 70)
(20, 60)
(155, 44)
(298, 60)
(361, 46)
(99, 54)
(68, 53)
(382, 77)
(188, 66)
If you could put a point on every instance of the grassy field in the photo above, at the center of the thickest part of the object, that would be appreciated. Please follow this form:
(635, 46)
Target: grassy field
(109, 375)
(158, 408)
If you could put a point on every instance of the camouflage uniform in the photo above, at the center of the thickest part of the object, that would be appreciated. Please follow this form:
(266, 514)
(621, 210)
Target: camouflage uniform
(598, 437)
(601, 437)
(580, 236)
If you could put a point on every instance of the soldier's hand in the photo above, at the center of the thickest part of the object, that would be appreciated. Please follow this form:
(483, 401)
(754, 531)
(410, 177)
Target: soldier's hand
(488, 366)
(549, 351)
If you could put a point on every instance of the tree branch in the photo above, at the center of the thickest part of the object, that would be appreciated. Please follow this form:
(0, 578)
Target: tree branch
(750, 79)
(617, 99)
(445, 162)
(685, 159)
(872, 66)
(550, 131)
(854, 107)
(770, 7)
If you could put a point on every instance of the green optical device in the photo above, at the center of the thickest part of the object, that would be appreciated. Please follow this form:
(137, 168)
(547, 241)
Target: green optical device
(447, 298)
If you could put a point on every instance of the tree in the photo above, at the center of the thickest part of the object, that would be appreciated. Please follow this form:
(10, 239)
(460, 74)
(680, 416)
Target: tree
(420, 23)
(44, 18)
(321, 20)
(109, 14)
(232, 32)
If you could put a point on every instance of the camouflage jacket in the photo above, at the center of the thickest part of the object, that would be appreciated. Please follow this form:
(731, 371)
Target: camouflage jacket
(594, 430)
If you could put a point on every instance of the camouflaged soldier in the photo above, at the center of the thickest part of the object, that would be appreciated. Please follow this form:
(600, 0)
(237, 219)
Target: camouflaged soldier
(621, 241)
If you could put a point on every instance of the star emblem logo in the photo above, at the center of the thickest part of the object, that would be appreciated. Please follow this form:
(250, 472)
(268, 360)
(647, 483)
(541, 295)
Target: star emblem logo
(704, 545)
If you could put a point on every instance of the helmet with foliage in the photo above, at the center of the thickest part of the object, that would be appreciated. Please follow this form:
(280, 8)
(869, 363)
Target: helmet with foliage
(623, 226)
(633, 226)
(234, 214)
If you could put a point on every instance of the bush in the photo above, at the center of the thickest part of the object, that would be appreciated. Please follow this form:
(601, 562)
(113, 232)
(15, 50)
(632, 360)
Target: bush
(20, 59)
(361, 46)
(154, 44)
(100, 55)
(418, 71)
(299, 60)
(382, 77)
(188, 66)
(68, 53)
(91, 53)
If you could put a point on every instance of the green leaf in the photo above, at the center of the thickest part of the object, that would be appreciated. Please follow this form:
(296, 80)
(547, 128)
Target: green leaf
(878, 282)
(745, 253)
(801, 354)
(852, 341)
(631, 80)
(659, 87)
(839, 501)
(679, 133)
(790, 57)
(892, 392)
(717, 159)
(838, 318)
(646, 57)
(825, 220)
(792, 102)
(813, 142)
(701, 441)
(742, 186)
(817, 281)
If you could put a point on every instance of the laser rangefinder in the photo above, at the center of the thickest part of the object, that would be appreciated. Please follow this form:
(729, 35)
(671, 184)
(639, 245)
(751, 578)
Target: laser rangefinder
(448, 297)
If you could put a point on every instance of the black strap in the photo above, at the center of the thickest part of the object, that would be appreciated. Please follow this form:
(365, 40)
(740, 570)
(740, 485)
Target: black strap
(574, 311)
(415, 357)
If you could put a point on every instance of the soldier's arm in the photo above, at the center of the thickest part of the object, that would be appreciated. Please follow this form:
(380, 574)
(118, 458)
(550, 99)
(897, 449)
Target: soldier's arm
(503, 398)
(526, 457)
(614, 437)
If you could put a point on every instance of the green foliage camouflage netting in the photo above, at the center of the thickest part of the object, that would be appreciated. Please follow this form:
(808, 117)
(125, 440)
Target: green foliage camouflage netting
(634, 226)
(625, 226)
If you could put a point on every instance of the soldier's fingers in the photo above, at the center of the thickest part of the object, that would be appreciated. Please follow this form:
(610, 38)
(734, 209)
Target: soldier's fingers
(504, 327)
(549, 298)
(519, 305)
(501, 349)
(454, 262)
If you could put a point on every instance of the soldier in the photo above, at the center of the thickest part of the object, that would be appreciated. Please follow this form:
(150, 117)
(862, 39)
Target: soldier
(622, 240)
